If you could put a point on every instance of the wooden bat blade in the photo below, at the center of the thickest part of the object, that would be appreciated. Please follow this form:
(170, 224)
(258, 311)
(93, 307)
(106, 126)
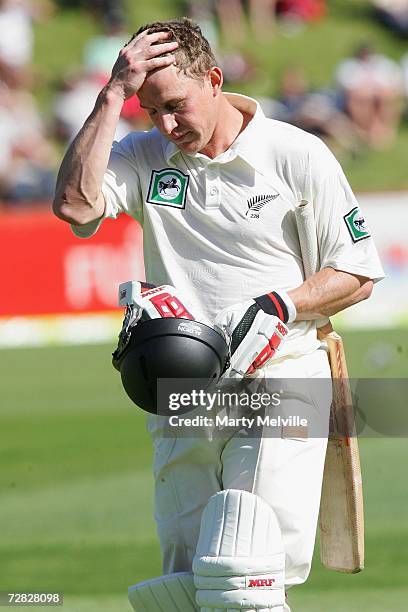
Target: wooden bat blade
(341, 519)
(341, 509)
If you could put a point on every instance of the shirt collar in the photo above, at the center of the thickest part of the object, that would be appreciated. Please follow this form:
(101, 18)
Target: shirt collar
(246, 146)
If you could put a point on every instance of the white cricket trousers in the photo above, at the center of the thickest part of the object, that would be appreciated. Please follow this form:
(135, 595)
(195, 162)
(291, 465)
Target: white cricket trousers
(286, 471)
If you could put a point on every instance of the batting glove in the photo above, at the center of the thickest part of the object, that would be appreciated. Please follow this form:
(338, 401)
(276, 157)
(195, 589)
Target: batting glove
(153, 302)
(255, 330)
(144, 302)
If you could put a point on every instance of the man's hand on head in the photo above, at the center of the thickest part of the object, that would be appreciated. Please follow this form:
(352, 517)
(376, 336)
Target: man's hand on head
(140, 56)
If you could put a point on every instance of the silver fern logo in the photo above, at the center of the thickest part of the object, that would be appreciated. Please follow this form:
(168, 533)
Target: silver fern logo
(257, 202)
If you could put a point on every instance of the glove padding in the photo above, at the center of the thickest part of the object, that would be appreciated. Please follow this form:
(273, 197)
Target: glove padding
(155, 302)
(144, 302)
(253, 335)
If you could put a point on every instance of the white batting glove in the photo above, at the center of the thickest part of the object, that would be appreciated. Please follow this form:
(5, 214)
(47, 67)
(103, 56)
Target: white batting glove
(152, 302)
(144, 302)
(254, 335)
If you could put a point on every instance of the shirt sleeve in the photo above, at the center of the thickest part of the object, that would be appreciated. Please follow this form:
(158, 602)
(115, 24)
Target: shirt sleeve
(120, 188)
(343, 232)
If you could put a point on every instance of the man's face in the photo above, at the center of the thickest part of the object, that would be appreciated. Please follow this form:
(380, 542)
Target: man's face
(182, 108)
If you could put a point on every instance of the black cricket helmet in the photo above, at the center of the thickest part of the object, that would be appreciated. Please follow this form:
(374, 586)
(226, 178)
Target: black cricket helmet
(168, 348)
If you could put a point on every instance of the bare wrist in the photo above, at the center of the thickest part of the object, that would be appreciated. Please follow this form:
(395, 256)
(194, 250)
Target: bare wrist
(112, 95)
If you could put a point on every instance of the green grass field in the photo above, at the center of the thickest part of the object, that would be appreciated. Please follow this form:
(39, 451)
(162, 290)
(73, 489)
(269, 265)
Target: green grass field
(76, 489)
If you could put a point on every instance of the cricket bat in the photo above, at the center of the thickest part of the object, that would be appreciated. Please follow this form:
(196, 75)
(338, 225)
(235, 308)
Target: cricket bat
(341, 519)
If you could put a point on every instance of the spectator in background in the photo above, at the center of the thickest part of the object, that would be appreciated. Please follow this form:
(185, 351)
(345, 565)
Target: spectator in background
(100, 52)
(99, 56)
(74, 102)
(27, 159)
(16, 37)
(372, 86)
(76, 96)
(203, 12)
(315, 112)
(393, 14)
(404, 66)
(301, 10)
(102, 8)
(232, 15)
(236, 64)
(232, 19)
(15, 25)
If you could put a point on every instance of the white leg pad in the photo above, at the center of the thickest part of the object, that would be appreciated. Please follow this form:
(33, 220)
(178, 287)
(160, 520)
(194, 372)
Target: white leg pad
(171, 593)
(239, 562)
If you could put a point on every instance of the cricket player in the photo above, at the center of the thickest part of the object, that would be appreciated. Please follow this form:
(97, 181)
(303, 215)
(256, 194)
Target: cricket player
(214, 185)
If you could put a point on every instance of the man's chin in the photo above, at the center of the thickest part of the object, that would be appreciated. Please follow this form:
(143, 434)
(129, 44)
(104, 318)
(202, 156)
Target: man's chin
(191, 146)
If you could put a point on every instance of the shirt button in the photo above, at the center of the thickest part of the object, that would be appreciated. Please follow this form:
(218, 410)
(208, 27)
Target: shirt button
(213, 191)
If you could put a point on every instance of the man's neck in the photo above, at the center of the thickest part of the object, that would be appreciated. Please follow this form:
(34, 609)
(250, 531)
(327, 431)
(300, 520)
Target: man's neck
(231, 122)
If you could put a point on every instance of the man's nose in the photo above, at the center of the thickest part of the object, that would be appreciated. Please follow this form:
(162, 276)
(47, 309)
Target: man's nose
(168, 123)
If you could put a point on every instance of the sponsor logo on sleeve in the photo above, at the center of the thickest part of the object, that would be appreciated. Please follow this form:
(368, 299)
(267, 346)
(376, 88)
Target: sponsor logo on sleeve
(356, 225)
(252, 582)
(168, 187)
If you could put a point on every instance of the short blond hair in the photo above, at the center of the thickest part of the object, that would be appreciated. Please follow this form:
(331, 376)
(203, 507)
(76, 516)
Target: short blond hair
(194, 55)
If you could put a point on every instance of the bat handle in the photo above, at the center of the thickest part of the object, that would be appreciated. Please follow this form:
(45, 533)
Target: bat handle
(324, 330)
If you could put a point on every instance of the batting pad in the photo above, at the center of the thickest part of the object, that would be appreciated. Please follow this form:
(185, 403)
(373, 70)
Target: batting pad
(239, 562)
(171, 593)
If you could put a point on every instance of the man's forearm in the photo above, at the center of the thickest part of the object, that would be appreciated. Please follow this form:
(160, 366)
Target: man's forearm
(78, 197)
(328, 292)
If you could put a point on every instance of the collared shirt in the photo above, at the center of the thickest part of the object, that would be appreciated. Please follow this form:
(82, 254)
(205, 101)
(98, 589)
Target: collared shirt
(223, 230)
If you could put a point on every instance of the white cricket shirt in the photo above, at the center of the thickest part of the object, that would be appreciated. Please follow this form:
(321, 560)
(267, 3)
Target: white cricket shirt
(223, 230)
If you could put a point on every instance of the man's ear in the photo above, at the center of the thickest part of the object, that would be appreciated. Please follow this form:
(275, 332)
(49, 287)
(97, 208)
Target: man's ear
(216, 79)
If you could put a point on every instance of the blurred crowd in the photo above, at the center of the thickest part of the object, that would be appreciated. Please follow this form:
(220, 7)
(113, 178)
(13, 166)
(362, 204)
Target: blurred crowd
(361, 108)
